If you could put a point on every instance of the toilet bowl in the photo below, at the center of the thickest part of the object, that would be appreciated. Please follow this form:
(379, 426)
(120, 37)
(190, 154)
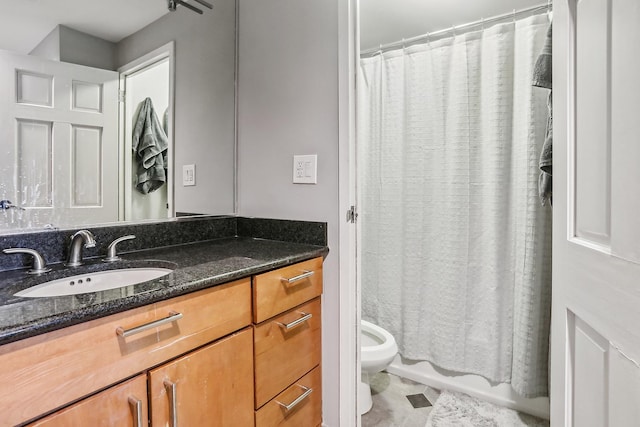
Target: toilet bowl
(378, 348)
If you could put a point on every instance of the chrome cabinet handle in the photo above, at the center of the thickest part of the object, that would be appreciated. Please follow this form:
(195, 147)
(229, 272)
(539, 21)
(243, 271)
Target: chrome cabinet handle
(172, 317)
(136, 408)
(304, 318)
(302, 276)
(173, 401)
(290, 406)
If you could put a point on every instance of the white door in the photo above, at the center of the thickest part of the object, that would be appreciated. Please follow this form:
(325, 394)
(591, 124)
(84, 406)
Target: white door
(595, 348)
(58, 129)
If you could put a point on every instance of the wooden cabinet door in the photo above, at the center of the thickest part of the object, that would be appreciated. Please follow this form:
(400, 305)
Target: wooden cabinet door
(123, 405)
(212, 386)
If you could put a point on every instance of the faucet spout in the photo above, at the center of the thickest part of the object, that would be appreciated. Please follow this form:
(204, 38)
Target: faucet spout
(81, 239)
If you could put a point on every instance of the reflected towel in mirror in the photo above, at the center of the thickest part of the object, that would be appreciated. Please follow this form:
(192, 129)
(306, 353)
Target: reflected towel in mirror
(149, 143)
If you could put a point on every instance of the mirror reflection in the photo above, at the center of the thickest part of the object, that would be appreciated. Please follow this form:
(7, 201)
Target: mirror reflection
(115, 111)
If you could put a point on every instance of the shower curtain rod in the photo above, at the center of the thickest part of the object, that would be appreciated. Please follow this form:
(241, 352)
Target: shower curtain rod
(453, 29)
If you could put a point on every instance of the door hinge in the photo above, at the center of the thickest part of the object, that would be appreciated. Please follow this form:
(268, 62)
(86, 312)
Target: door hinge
(121, 94)
(352, 215)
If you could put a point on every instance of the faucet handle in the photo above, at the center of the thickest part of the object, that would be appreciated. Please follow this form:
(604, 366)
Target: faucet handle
(111, 249)
(39, 264)
(6, 204)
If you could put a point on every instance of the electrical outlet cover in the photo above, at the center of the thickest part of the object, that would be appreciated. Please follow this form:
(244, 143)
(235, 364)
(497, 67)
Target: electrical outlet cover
(188, 175)
(305, 169)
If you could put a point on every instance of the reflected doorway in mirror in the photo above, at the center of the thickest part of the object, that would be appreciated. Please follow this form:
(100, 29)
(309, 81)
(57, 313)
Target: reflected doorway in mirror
(150, 76)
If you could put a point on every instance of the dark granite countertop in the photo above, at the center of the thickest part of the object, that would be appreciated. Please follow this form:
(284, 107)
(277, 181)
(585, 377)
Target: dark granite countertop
(196, 266)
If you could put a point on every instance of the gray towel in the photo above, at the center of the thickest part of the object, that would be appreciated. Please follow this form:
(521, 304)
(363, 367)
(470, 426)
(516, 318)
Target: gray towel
(542, 73)
(149, 143)
(542, 77)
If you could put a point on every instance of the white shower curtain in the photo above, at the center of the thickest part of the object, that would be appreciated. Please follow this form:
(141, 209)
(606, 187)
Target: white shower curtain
(456, 248)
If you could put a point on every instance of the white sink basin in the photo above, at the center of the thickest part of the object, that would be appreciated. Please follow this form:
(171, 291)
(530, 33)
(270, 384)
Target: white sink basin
(93, 282)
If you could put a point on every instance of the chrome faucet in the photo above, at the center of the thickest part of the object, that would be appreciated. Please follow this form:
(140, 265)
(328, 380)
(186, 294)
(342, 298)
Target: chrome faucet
(81, 239)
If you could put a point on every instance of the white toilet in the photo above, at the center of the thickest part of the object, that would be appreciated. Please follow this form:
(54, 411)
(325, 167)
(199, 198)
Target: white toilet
(378, 348)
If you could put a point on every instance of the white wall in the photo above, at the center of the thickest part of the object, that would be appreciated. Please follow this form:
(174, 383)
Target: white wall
(204, 111)
(384, 21)
(288, 104)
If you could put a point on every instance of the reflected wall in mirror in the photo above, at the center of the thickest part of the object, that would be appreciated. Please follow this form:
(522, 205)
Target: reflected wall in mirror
(74, 77)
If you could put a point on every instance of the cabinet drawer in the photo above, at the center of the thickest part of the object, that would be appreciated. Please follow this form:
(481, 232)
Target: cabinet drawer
(282, 356)
(115, 406)
(307, 411)
(285, 288)
(50, 370)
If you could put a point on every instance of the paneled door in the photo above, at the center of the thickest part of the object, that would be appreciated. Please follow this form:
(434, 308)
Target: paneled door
(59, 133)
(595, 348)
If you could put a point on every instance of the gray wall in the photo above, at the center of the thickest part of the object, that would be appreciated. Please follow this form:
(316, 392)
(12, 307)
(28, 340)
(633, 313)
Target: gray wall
(49, 47)
(288, 104)
(204, 100)
(69, 45)
(84, 49)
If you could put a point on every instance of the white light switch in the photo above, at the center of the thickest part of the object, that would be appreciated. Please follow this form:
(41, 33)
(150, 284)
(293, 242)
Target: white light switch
(305, 169)
(188, 175)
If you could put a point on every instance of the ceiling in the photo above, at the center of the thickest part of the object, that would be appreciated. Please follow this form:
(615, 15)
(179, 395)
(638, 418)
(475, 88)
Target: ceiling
(24, 23)
(386, 21)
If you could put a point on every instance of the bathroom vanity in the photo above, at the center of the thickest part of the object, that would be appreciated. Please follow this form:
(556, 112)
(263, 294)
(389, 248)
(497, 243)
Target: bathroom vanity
(232, 337)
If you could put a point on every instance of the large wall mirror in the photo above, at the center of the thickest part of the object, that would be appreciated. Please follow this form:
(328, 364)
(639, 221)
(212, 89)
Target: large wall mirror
(115, 111)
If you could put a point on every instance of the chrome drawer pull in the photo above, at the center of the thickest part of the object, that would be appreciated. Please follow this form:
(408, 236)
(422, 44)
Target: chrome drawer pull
(302, 276)
(304, 318)
(290, 406)
(136, 408)
(173, 401)
(172, 317)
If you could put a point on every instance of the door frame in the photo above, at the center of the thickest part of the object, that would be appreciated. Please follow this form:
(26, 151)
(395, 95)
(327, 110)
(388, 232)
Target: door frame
(349, 364)
(166, 51)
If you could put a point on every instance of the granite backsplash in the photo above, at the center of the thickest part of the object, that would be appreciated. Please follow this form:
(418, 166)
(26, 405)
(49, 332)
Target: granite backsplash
(53, 245)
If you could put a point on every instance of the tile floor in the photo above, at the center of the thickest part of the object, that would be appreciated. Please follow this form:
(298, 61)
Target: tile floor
(393, 402)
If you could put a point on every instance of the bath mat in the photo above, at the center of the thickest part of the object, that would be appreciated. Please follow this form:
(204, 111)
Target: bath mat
(461, 410)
